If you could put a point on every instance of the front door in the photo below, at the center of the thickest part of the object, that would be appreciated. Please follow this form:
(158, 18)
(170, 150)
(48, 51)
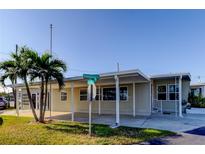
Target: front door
(34, 100)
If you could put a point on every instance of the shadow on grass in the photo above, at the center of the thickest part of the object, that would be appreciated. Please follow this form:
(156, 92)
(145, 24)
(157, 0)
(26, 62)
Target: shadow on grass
(1, 121)
(105, 131)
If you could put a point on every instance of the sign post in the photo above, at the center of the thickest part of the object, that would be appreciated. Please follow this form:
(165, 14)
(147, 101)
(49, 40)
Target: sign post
(91, 80)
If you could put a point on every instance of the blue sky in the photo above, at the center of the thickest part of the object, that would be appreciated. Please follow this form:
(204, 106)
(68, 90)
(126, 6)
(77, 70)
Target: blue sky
(92, 41)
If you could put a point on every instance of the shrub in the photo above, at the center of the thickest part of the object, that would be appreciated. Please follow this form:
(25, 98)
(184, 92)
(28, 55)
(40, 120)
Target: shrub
(197, 101)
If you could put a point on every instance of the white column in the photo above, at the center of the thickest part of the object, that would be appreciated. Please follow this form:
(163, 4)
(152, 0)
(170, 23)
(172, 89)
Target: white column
(72, 101)
(152, 95)
(180, 96)
(117, 100)
(99, 100)
(134, 98)
(50, 100)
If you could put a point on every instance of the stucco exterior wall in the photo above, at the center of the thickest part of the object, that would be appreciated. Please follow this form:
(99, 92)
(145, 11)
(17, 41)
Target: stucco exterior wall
(107, 107)
(185, 90)
(143, 99)
(59, 105)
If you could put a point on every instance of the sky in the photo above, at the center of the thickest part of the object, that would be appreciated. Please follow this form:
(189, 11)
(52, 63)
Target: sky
(93, 41)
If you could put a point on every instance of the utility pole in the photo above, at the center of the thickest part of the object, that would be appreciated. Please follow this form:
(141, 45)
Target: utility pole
(118, 67)
(51, 45)
(16, 102)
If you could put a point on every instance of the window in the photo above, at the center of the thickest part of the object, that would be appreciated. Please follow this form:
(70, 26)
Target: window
(63, 96)
(83, 95)
(173, 92)
(196, 92)
(123, 94)
(98, 94)
(109, 94)
(162, 92)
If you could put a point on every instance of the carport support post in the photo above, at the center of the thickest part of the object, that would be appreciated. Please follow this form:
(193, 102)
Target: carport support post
(117, 100)
(180, 96)
(133, 99)
(72, 101)
(99, 100)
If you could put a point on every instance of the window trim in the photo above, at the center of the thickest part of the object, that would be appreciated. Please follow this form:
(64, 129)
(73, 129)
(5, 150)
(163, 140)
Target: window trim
(79, 94)
(161, 92)
(101, 94)
(61, 96)
(172, 92)
(115, 100)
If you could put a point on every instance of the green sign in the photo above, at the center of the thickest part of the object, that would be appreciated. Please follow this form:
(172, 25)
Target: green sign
(91, 78)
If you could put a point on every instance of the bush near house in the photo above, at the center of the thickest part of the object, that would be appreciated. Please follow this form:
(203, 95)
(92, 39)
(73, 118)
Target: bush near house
(197, 101)
(25, 131)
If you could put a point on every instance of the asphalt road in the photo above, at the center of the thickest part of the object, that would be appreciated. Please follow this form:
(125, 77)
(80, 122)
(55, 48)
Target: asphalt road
(192, 137)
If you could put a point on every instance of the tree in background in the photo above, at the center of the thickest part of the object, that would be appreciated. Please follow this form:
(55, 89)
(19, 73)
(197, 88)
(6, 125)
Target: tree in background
(28, 65)
(9, 69)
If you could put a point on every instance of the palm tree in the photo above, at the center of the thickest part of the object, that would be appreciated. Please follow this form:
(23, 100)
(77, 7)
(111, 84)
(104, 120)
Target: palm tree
(28, 66)
(23, 72)
(46, 68)
(9, 73)
(19, 66)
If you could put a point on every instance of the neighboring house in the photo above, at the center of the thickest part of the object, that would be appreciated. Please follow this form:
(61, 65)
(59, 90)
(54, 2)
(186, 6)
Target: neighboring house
(138, 94)
(198, 89)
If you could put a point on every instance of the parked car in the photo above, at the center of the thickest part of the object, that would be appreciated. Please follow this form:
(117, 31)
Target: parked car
(3, 103)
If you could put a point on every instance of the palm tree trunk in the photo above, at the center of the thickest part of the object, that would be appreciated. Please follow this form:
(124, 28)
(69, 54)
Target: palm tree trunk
(46, 98)
(30, 99)
(14, 94)
(41, 118)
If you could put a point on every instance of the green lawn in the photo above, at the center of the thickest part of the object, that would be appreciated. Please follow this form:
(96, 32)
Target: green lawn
(24, 131)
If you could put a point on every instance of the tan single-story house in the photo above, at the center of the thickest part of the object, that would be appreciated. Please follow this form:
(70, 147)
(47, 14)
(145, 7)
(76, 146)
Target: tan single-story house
(128, 92)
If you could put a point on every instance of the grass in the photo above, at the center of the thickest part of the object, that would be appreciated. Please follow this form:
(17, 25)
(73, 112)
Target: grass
(24, 130)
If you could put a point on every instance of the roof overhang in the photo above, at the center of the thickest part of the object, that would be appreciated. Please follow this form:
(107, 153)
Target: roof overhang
(185, 76)
(127, 73)
(197, 84)
(120, 74)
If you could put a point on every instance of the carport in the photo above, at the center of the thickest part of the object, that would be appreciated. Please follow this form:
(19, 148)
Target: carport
(138, 96)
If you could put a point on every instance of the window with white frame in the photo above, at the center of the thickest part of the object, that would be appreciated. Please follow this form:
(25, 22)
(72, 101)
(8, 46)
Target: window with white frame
(109, 94)
(162, 92)
(98, 94)
(123, 94)
(173, 92)
(83, 95)
(63, 96)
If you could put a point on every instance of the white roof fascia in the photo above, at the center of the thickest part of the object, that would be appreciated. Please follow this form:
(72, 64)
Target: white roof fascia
(170, 75)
